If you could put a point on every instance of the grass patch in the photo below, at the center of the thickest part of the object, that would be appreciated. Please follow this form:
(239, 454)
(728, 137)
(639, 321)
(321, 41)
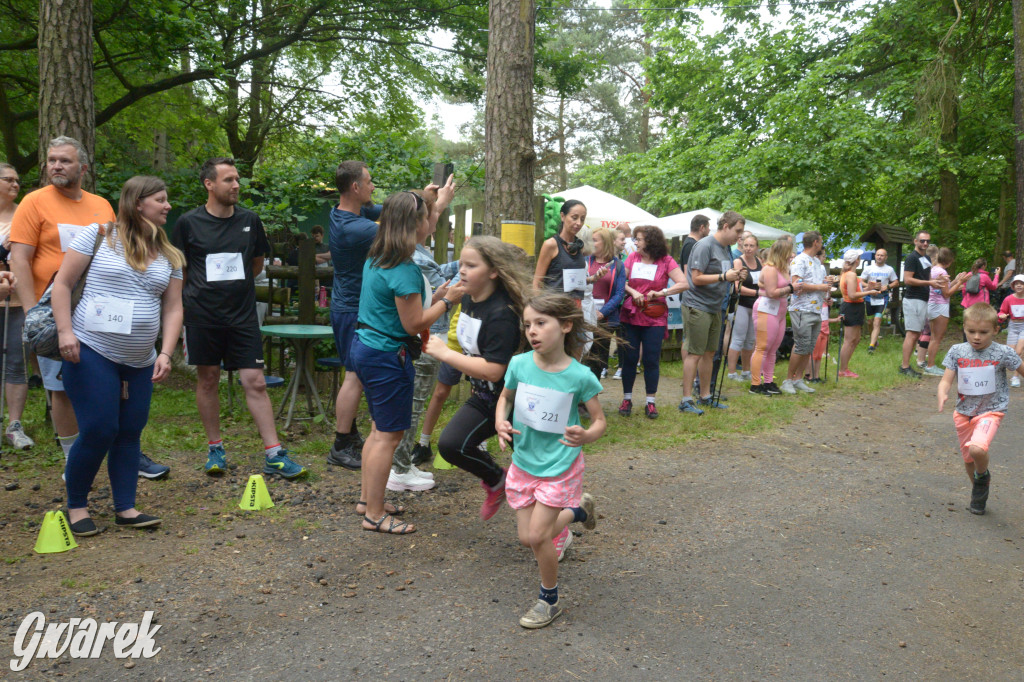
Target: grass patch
(747, 414)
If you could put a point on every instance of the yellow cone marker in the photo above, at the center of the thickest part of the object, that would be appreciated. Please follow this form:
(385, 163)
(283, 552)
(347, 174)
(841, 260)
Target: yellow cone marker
(441, 463)
(55, 534)
(256, 495)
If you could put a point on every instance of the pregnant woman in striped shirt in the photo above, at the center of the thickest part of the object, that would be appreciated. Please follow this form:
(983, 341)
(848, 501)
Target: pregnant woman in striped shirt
(132, 290)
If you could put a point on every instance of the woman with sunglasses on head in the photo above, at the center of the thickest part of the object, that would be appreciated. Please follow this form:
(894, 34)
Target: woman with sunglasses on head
(645, 313)
(16, 391)
(561, 264)
(132, 294)
(395, 306)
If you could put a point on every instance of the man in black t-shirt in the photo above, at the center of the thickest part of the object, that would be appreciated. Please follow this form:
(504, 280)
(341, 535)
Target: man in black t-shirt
(916, 280)
(224, 246)
(700, 227)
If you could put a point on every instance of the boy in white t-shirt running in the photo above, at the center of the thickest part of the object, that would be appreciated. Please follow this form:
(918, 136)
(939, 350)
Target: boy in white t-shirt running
(979, 369)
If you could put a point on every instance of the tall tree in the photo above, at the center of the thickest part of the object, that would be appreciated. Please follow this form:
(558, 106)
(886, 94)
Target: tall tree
(65, 76)
(1018, 120)
(509, 154)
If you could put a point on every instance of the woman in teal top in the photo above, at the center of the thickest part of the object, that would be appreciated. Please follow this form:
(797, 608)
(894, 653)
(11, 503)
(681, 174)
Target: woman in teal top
(394, 309)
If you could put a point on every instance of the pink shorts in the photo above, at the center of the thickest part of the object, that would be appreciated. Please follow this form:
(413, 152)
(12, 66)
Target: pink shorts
(523, 489)
(977, 431)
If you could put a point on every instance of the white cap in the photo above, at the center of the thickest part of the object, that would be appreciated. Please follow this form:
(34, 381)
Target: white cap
(1017, 278)
(852, 256)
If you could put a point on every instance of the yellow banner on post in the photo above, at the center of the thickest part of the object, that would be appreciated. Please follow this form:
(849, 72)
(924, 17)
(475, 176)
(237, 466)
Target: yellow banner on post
(521, 234)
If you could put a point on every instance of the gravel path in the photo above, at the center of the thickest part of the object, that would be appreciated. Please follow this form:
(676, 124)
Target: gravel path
(837, 548)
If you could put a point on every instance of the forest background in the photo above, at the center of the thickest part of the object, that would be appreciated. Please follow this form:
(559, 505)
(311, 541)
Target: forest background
(805, 115)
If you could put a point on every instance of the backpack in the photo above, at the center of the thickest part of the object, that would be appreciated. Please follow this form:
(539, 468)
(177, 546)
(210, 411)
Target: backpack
(973, 285)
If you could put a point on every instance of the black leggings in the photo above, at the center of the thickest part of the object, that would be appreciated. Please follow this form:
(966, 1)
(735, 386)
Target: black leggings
(470, 426)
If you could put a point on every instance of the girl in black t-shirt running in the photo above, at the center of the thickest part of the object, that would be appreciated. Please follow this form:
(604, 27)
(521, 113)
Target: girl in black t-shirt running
(494, 277)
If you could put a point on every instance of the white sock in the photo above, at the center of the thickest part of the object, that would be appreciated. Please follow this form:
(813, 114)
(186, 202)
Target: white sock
(650, 400)
(627, 396)
(272, 450)
(425, 439)
(66, 442)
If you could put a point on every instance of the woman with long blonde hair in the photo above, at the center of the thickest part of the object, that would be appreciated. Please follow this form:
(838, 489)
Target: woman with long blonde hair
(770, 317)
(131, 295)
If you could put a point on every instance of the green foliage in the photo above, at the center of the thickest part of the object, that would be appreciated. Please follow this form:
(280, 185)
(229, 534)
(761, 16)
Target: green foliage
(833, 114)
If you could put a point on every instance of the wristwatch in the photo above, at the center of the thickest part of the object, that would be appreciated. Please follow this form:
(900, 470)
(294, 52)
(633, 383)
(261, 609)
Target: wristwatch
(447, 305)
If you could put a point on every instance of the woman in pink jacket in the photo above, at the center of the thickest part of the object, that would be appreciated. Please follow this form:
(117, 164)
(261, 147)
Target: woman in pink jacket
(985, 284)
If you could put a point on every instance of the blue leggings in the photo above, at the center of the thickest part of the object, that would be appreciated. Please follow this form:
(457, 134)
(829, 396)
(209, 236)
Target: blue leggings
(106, 423)
(645, 343)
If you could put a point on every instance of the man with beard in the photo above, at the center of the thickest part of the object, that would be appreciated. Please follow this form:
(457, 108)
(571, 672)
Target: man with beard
(224, 246)
(45, 223)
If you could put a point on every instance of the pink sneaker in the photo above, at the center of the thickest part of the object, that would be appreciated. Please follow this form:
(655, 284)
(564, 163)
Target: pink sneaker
(562, 542)
(849, 375)
(494, 499)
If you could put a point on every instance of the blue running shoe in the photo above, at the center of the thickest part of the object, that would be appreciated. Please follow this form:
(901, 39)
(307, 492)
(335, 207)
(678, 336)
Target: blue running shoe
(711, 402)
(687, 406)
(281, 465)
(215, 464)
(150, 469)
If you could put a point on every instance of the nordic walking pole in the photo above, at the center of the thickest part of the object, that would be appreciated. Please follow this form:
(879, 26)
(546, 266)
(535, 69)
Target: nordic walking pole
(719, 378)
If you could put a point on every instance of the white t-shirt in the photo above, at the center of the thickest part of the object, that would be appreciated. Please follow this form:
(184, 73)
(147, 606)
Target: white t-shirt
(883, 274)
(810, 271)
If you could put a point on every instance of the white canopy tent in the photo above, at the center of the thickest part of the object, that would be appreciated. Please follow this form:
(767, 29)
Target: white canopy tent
(678, 225)
(604, 209)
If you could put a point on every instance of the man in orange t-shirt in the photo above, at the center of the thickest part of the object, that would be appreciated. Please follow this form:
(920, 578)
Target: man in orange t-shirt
(45, 223)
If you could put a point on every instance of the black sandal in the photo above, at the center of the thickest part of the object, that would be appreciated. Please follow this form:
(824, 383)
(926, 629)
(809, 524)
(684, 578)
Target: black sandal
(397, 510)
(393, 528)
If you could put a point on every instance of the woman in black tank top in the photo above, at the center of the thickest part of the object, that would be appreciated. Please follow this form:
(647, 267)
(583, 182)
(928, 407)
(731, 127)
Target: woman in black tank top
(561, 265)
(742, 341)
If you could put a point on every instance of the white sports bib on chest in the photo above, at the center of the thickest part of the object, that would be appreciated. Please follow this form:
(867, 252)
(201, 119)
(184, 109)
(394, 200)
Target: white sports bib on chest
(467, 331)
(109, 314)
(68, 233)
(598, 304)
(976, 380)
(543, 409)
(1017, 310)
(574, 279)
(769, 306)
(224, 267)
(824, 312)
(646, 271)
(756, 276)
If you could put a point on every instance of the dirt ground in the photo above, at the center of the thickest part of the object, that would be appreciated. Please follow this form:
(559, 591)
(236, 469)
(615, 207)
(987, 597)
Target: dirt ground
(838, 547)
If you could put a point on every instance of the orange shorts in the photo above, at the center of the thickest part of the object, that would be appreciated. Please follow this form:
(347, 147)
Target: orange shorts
(977, 431)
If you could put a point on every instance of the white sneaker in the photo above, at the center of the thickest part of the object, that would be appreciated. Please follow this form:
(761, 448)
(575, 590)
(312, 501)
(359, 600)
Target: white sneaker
(19, 439)
(421, 473)
(408, 481)
(734, 376)
(604, 373)
(787, 387)
(745, 376)
(618, 374)
(1015, 382)
(801, 386)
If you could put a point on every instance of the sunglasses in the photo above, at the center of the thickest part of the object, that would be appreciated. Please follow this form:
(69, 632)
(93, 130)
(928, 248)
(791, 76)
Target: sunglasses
(419, 199)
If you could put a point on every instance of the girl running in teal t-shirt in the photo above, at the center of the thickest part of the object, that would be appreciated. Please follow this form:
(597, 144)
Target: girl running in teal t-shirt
(544, 484)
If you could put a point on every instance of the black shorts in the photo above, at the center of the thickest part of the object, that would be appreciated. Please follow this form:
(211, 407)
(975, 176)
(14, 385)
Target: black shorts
(874, 310)
(853, 313)
(235, 347)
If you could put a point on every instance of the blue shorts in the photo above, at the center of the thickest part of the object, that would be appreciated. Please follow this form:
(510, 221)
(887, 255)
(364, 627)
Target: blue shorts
(344, 326)
(387, 379)
(448, 375)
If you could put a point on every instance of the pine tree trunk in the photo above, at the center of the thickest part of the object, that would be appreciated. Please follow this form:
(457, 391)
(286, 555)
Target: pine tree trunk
(1018, 120)
(66, 105)
(508, 148)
